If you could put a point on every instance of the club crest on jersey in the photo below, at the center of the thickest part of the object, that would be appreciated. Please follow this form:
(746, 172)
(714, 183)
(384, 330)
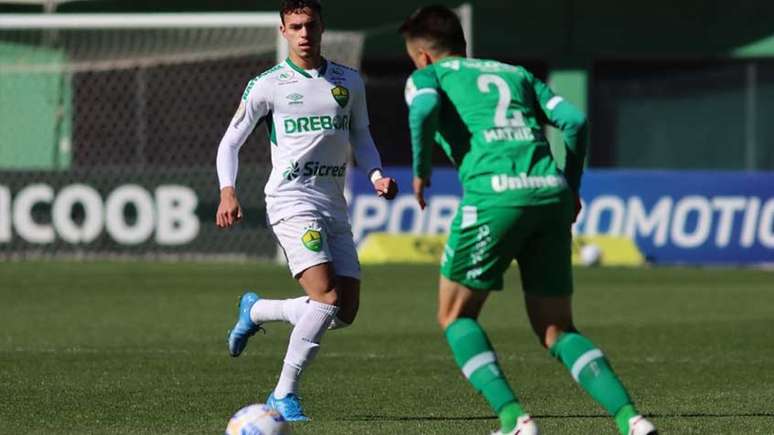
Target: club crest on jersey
(312, 239)
(341, 95)
(292, 171)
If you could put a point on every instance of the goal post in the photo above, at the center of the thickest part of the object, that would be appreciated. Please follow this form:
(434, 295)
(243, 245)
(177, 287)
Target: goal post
(465, 12)
(226, 22)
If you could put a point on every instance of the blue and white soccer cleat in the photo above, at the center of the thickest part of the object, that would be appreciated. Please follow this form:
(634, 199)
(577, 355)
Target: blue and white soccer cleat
(289, 406)
(524, 426)
(244, 327)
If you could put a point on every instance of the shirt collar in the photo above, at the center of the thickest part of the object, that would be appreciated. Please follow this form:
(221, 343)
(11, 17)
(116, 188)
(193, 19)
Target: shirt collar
(320, 71)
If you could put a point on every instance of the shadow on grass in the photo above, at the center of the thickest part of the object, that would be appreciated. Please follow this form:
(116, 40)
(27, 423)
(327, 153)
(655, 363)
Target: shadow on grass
(550, 416)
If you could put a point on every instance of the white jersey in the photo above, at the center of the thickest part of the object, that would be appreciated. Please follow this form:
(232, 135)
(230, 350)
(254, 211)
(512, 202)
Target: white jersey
(310, 116)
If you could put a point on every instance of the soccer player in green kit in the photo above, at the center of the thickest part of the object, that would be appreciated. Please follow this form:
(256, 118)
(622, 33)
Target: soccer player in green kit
(516, 204)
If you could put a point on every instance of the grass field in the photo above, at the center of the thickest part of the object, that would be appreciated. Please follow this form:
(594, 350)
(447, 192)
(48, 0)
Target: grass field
(140, 348)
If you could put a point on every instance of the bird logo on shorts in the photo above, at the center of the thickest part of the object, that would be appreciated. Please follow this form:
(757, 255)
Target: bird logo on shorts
(312, 240)
(341, 95)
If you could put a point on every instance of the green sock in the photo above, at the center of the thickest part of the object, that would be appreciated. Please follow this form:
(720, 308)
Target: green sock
(509, 416)
(591, 370)
(622, 417)
(475, 356)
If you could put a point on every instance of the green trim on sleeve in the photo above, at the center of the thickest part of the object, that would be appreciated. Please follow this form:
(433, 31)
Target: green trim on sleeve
(271, 129)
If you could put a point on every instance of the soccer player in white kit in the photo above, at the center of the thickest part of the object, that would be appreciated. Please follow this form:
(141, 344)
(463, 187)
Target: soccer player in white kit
(316, 113)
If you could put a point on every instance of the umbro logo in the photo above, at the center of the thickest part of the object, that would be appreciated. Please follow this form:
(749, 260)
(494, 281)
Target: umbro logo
(295, 98)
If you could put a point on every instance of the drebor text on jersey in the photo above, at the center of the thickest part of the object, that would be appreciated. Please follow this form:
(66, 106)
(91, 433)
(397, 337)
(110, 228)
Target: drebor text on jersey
(312, 124)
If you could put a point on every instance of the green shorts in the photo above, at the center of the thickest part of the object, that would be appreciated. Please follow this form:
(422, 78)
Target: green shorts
(484, 241)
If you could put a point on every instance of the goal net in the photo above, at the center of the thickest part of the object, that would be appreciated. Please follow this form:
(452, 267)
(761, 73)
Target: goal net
(109, 126)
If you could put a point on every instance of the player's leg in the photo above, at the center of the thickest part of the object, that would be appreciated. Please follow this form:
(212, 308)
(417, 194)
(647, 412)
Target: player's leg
(342, 252)
(290, 310)
(333, 288)
(320, 285)
(348, 290)
(472, 258)
(278, 310)
(551, 319)
(302, 240)
(326, 294)
(290, 234)
(345, 262)
(547, 281)
(474, 354)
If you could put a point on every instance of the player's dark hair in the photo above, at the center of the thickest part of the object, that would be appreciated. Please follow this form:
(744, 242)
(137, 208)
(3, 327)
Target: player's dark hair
(291, 6)
(437, 25)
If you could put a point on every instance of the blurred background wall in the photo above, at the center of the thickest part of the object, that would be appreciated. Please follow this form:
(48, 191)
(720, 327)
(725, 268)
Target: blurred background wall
(88, 123)
(682, 85)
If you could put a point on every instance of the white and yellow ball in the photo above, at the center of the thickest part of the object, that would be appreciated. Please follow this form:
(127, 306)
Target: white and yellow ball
(591, 255)
(258, 419)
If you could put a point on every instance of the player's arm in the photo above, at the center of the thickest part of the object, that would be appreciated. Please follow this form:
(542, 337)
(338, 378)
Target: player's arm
(574, 126)
(424, 103)
(364, 149)
(252, 108)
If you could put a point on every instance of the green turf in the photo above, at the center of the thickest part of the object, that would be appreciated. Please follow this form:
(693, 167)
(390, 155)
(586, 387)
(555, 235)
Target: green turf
(139, 348)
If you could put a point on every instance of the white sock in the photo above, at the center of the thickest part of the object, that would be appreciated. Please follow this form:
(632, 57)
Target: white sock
(288, 381)
(293, 309)
(278, 310)
(304, 344)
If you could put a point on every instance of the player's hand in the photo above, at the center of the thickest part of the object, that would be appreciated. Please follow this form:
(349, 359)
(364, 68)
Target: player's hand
(229, 210)
(419, 185)
(578, 207)
(386, 187)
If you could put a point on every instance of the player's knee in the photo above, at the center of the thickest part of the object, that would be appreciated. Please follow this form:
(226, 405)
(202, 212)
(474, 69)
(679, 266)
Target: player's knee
(451, 312)
(448, 313)
(323, 291)
(446, 318)
(551, 332)
(329, 297)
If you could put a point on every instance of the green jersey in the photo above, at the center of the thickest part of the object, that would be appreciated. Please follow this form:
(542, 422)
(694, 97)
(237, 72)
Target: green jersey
(488, 117)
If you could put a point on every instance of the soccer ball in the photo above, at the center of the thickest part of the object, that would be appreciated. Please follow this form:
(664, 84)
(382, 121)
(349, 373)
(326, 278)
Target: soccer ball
(257, 419)
(591, 255)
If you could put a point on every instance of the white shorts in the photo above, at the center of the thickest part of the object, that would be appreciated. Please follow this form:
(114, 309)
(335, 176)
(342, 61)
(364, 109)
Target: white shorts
(309, 240)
